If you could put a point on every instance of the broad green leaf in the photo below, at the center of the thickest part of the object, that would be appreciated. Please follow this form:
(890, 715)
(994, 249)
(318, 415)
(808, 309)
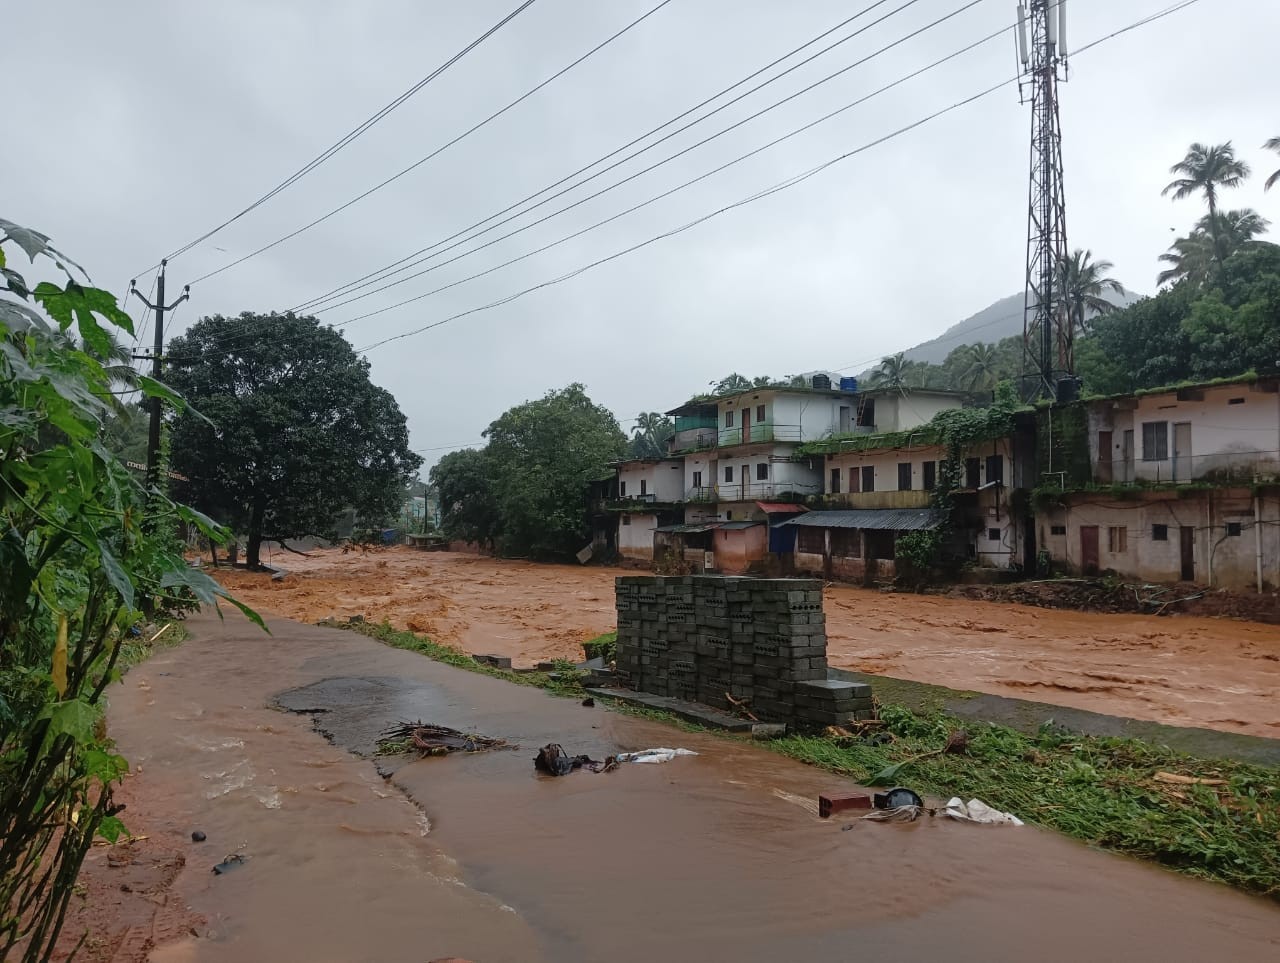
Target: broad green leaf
(111, 828)
(104, 765)
(95, 338)
(887, 776)
(104, 303)
(207, 591)
(73, 718)
(19, 317)
(157, 389)
(116, 575)
(54, 300)
(208, 527)
(18, 366)
(33, 242)
(17, 284)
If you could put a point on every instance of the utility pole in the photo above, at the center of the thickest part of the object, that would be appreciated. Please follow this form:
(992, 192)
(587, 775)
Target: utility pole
(1047, 334)
(153, 432)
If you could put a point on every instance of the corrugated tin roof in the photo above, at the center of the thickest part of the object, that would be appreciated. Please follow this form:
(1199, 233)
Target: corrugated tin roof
(688, 529)
(882, 519)
(736, 526)
(780, 508)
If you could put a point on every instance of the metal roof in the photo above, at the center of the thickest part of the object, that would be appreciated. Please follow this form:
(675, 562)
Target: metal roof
(780, 508)
(688, 529)
(881, 519)
(735, 526)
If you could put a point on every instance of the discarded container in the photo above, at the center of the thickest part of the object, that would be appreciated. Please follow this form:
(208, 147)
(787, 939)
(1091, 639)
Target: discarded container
(896, 799)
(654, 755)
(554, 761)
(234, 861)
(839, 802)
(976, 811)
(198, 837)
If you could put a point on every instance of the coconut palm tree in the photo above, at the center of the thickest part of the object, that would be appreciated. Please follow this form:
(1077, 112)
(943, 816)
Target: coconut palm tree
(653, 429)
(982, 370)
(892, 372)
(1084, 283)
(1206, 170)
(1272, 144)
(1192, 257)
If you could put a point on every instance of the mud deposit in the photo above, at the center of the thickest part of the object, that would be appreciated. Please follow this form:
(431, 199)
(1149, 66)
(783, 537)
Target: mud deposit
(1178, 670)
(718, 856)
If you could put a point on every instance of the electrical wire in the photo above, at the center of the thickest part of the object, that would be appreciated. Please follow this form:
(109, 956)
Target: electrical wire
(352, 135)
(439, 150)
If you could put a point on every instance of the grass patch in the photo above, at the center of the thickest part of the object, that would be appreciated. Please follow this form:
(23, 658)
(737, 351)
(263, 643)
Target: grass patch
(602, 647)
(137, 649)
(1099, 790)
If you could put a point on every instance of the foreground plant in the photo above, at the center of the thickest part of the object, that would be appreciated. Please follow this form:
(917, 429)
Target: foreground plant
(86, 552)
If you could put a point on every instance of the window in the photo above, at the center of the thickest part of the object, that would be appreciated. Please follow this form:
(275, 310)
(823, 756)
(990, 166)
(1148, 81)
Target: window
(1159, 533)
(1235, 401)
(762, 471)
(811, 540)
(867, 413)
(1155, 440)
(993, 534)
(728, 516)
(644, 487)
(835, 481)
(1057, 529)
(697, 479)
(1233, 528)
(995, 468)
(622, 489)
(972, 471)
(728, 419)
(1117, 539)
(904, 476)
(626, 519)
(869, 478)
(728, 473)
(759, 413)
(930, 475)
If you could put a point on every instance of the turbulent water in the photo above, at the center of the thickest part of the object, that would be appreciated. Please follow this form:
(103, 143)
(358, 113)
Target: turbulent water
(718, 856)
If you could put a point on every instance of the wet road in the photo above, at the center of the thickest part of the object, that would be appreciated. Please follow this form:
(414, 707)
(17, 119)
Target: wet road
(1181, 671)
(713, 857)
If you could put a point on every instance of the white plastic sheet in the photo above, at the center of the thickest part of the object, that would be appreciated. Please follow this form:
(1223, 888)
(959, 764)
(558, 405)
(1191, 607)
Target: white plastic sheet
(976, 811)
(654, 755)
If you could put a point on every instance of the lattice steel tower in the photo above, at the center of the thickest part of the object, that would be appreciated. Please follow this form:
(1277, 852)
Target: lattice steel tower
(1047, 333)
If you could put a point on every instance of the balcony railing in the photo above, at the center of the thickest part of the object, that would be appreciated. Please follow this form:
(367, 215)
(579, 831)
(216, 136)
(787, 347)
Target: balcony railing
(1220, 468)
(757, 490)
(886, 499)
(756, 433)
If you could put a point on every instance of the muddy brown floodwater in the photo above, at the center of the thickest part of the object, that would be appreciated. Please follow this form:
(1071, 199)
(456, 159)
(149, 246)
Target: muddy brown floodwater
(1185, 671)
(716, 856)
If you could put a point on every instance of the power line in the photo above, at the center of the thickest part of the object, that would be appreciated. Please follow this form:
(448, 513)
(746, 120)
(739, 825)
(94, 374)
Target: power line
(352, 284)
(767, 192)
(354, 133)
(439, 150)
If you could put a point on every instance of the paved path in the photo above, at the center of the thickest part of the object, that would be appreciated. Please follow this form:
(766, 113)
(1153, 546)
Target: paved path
(713, 857)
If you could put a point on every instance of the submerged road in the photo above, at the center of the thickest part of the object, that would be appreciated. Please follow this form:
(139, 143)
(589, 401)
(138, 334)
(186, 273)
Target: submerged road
(717, 856)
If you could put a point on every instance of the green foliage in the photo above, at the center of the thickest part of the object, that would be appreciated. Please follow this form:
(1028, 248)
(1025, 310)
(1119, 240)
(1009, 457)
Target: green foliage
(1095, 789)
(653, 431)
(526, 491)
(84, 552)
(602, 647)
(295, 431)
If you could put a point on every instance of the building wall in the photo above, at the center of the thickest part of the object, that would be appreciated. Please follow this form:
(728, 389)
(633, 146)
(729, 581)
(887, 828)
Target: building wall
(635, 535)
(738, 549)
(1220, 560)
(663, 480)
(784, 475)
(902, 413)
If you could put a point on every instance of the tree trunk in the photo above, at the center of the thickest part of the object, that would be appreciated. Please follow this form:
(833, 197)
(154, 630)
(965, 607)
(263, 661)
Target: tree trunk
(253, 550)
(1213, 231)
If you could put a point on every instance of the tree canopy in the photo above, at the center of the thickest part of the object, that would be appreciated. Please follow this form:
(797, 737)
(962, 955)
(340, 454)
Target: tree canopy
(653, 430)
(294, 431)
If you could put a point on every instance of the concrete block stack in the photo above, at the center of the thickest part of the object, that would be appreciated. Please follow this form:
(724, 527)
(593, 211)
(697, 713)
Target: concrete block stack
(761, 641)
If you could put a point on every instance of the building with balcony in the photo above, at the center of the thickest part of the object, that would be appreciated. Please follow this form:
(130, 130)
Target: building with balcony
(648, 493)
(1181, 484)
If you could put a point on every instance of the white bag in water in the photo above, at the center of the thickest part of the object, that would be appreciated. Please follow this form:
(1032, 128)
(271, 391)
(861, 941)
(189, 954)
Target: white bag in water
(976, 811)
(654, 755)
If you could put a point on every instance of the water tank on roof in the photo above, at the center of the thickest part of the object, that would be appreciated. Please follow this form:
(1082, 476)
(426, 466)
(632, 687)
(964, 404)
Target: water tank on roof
(848, 384)
(821, 382)
(1068, 389)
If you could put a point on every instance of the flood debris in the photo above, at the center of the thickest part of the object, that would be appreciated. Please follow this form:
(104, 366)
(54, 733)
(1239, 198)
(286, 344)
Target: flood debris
(836, 802)
(589, 702)
(976, 811)
(654, 755)
(896, 799)
(1177, 779)
(554, 761)
(431, 740)
(198, 837)
(234, 861)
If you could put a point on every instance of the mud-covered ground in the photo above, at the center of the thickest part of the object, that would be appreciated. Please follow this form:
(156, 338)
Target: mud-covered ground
(1180, 670)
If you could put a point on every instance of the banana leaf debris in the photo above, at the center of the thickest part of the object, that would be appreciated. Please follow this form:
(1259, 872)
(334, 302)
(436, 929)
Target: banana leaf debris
(431, 740)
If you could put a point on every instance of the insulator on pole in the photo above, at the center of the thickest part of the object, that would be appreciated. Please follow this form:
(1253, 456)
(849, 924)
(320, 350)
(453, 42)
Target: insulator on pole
(1022, 35)
(1062, 27)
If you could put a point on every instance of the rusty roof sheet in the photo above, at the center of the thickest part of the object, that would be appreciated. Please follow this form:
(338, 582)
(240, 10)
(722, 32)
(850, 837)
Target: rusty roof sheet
(878, 519)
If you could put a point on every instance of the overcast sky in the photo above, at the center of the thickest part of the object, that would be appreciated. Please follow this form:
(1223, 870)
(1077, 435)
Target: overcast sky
(134, 127)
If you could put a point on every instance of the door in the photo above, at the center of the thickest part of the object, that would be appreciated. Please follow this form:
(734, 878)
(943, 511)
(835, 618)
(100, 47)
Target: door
(846, 419)
(1126, 454)
(1187, 538)
(746, 425)
(1182, 451)
(1089, 549)
(1104, 457)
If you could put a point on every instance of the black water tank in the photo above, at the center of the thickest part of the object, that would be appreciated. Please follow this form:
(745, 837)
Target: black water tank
(1068, 389)
(821, 382)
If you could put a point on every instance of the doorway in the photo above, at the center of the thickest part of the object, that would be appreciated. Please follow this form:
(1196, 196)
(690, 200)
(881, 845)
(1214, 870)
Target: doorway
(1104, 457)
(746, 424)
(1182, 451)
(1127, 454)
(1187, 544)
(1089, 549)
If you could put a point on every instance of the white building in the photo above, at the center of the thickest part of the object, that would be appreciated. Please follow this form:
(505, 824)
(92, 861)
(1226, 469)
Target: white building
(650, 492)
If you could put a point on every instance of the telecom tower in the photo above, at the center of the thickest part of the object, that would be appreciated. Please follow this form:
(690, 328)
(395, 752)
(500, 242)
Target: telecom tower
(1047, 334)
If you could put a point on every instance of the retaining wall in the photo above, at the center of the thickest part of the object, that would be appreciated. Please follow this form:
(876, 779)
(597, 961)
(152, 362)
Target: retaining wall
(762, 641)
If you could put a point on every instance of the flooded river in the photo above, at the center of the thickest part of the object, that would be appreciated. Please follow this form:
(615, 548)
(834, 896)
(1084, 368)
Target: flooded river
(718, 856)
(1182, 671)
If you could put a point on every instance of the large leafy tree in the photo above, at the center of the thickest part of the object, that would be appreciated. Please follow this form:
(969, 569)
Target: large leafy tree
(653, 430)
(294, 430)
(464, 481)
(983, 370)
(1085, 285)
(1207, 170)
(542, 456)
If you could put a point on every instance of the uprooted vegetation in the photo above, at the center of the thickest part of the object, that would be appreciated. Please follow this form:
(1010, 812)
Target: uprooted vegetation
(1213, 819)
